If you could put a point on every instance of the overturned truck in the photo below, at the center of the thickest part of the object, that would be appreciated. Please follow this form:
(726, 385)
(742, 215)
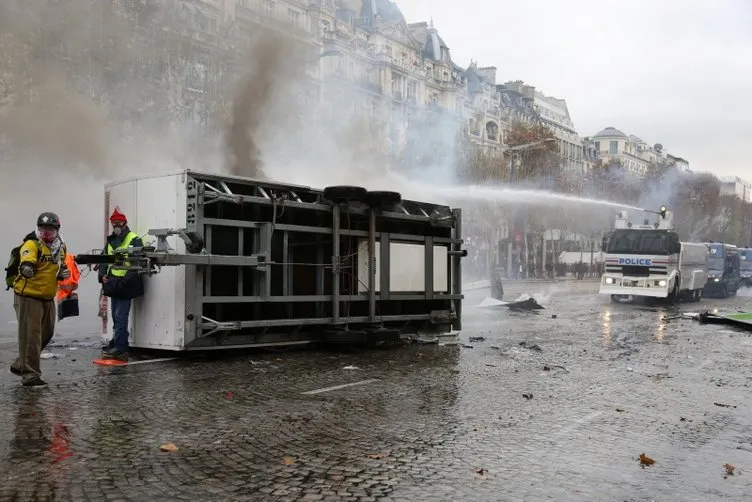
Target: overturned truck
(239, 262)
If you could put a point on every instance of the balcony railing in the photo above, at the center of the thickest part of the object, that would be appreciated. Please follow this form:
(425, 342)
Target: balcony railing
(366, 84)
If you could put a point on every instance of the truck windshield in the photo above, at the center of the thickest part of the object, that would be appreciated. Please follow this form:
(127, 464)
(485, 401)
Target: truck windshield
(716, 257)
(655, 242)
(715, 264)
(745, 259)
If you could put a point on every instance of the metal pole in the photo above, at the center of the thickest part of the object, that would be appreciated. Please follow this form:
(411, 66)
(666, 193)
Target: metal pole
(335, 263)
(372, 266)
(457, 267)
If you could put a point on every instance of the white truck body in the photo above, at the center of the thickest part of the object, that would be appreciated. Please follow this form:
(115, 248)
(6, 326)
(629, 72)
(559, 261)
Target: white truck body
(677, 269)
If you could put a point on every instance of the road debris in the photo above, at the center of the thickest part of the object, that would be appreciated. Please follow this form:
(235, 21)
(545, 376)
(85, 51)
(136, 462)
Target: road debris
(534, 346)
(722, 405)
(168, 447)
(549, 367)
(645, 460)
(527, 396)
(529, 304)
(729, 469)
(350, 368)
(377, 456)
(288, 461)
(474, 339)
(481, 471)
(738, 319)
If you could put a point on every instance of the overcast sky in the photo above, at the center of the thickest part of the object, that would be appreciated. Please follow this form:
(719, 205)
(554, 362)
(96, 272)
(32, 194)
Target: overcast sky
(675, 72)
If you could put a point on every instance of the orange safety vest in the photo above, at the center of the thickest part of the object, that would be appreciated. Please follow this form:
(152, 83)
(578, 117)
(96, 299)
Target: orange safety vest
(67, 287)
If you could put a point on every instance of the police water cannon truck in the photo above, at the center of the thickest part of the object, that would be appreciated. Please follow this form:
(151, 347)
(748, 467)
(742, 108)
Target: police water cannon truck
(649, 260)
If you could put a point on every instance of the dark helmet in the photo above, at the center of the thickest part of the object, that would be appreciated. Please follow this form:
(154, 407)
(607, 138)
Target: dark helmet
(48, 219)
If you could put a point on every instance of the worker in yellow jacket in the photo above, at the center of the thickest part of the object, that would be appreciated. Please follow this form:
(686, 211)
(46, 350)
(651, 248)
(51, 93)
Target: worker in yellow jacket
(41, 265)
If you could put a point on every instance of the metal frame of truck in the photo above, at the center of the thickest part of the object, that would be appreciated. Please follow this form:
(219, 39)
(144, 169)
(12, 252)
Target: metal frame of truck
(281, 264)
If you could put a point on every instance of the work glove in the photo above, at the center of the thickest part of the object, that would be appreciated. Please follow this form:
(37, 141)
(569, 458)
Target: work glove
(64, 274)
(27, 271)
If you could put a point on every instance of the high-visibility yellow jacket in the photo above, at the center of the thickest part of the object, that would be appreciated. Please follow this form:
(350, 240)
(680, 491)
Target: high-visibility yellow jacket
(43, 285)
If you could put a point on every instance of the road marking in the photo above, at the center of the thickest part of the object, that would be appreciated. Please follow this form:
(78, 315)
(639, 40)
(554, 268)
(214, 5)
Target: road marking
(152, 361)
(337, 387)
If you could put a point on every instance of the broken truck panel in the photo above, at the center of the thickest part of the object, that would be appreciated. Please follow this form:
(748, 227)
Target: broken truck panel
(243, 262)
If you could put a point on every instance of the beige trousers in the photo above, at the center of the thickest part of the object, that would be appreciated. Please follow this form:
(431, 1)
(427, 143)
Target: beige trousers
(36, 326)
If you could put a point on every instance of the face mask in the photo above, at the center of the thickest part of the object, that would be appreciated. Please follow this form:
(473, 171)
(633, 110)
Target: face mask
(48, 236)
(117, 230)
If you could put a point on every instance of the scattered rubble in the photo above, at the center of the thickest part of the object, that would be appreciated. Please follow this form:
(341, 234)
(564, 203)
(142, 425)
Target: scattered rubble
(534, 346)
(529, 304)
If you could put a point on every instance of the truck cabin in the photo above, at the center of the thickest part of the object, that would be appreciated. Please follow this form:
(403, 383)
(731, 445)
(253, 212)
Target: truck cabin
(723, 260)
(745, 260)
(642, 242)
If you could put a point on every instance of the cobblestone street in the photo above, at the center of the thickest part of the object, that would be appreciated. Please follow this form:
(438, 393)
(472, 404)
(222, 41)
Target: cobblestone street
(528, 407)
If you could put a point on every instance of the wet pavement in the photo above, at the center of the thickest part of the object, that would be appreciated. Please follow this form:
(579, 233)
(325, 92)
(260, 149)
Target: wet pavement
(533, 408)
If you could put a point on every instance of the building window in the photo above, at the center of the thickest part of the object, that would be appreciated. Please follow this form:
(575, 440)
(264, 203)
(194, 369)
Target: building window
(268, 6)
(293, 17)
(613, 147)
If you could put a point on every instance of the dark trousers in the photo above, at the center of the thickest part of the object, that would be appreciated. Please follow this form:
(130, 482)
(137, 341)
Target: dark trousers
(121, 310)
(36, 326)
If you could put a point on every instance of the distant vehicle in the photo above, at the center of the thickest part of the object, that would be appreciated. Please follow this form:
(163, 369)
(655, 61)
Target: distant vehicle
(723, 270)
(649, 260)
(745, 267)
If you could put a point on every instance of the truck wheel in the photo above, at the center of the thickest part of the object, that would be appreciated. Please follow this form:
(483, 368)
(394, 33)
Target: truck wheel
(382, 199)
(342, 194)
(673, 297)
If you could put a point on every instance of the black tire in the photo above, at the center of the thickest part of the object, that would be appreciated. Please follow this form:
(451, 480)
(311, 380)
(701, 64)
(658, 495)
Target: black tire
(674, 296)
(383, 199)
(343, 194)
